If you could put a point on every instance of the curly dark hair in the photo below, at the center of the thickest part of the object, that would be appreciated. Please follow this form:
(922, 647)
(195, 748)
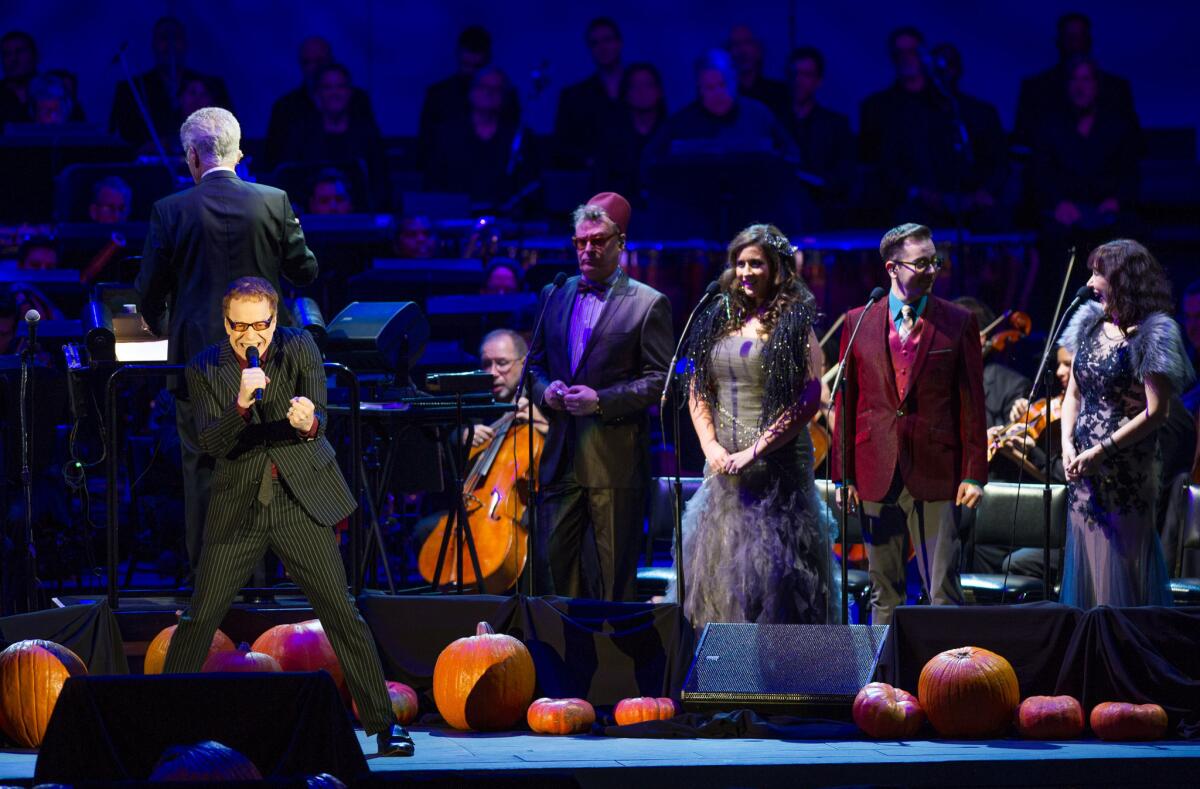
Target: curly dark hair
(788, 286)
(1137, 284)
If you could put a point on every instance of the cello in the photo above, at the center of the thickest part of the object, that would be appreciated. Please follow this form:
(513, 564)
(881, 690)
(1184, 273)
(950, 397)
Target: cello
(495, 496)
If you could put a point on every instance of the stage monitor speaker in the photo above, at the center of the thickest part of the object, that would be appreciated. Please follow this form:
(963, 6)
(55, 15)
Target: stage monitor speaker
(810, 670)
(115, 728)
(378, 336)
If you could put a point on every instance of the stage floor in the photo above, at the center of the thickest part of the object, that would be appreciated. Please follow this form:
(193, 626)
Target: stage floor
(445, 757)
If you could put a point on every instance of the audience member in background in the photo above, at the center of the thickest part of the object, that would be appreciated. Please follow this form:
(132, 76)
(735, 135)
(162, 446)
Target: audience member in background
(50, 101)
(1085, 161)
(910, 131)
(336, 135)
(584, 107)
(415, 238)
(18, 54)
(627, 132)
(196, 92)
(208, 761)
(37, 253)
(747, 53)
(1045, 93)
(448, 99)
(111, 201)
(502, 277)
(299, 108)
(823, 136)
(160, 88)
(732, 123)
(475, 153)
(330, 193)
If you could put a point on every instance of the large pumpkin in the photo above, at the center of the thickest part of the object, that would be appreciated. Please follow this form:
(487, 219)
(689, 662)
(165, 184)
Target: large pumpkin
(302, 646)
(483, 682)
(32, 674)
(560, 716)
(1116, 720)
(156, 654)
(643, 708)
(969, 692)
(241, 660)
(1050, 718)
(404, 702)
(887, 713)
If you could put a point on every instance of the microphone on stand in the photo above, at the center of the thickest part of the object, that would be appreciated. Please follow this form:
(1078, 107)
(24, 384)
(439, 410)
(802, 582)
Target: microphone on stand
(709, 292)
(252, 360)
(876, 295)
(31, 323)
(1082, 296)
(559, 280)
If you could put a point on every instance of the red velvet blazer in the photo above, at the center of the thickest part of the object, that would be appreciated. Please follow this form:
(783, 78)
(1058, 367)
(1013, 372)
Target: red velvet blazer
(937, 436)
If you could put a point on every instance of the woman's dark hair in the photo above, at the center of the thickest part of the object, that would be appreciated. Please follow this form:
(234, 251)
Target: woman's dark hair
(787, 286)
(1137, 284)
(627, 81)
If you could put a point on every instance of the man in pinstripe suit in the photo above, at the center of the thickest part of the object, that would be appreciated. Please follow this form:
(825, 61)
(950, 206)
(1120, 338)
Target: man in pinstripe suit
(276, 484)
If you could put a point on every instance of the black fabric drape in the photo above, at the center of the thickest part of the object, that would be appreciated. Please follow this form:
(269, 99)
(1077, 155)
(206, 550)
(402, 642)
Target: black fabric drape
(599, 651)
(1102, 654)
(734, 724)
(89, 631)
(116, 728)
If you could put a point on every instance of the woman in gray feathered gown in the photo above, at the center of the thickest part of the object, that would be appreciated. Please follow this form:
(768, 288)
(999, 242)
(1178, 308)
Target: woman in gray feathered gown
(1129, 358)
(756, 537)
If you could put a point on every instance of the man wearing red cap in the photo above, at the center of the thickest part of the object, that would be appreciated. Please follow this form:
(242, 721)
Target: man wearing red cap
(598, 362)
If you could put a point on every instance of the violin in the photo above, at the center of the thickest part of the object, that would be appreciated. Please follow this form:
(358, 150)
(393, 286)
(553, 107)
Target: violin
(1031, 426)
(495, 495)
(1019, 327)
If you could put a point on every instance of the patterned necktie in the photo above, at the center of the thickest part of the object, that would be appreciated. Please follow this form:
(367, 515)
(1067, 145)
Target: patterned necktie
(597, 290)
(907, 320)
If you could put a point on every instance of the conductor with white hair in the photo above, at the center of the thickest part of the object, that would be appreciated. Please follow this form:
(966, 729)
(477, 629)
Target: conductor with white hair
(200, 241)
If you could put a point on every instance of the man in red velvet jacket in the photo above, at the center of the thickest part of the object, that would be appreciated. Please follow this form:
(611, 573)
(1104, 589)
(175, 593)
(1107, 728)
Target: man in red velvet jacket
(915, 425)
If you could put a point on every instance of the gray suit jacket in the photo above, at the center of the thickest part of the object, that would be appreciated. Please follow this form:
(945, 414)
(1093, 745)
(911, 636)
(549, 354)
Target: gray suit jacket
(243, 447)
(625, 361)
(200, 241)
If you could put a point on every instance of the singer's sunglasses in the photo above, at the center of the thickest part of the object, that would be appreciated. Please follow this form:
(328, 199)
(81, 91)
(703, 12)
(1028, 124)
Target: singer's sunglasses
(238, 326)
(934, 262)
(598, 242)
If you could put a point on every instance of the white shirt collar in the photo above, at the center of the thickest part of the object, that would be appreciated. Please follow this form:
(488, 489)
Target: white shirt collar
(214, 169)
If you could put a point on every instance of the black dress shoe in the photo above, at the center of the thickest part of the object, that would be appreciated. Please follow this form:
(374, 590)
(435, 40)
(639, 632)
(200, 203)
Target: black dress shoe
(394, 742)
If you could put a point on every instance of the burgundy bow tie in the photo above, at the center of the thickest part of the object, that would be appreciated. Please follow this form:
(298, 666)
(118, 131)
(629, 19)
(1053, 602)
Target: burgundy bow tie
(598, 290)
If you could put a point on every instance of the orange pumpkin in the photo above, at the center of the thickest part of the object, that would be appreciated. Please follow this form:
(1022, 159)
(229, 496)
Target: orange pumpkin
(969, 692)
(404, 702)
(241, 660)
(887, 713)
(156, 654)
(483, 682)
(560, 716)
(643, 708)
(302, 646)
(1050, 718)
(1119, 721)
(32, 674)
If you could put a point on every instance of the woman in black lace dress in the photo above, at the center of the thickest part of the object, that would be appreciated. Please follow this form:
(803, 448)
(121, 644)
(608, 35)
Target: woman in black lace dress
(756, 535)
(1129, 359)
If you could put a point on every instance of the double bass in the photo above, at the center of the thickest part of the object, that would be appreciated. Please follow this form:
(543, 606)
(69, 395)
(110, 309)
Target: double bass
(495, 496)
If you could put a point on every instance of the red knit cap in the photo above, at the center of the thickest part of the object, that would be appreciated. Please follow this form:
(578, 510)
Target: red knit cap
(615, 206)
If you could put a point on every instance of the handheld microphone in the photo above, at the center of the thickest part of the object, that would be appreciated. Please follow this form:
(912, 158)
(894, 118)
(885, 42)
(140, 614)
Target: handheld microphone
(31, 322)
(709, 292)
(252, 360)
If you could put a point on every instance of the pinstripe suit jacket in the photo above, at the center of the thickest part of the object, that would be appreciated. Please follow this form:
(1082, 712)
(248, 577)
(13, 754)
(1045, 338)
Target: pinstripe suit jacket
(243, 448)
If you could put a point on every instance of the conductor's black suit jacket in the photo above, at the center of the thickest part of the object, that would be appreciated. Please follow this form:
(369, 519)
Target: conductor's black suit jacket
(244, 446)
(200, 241)
(625, 361)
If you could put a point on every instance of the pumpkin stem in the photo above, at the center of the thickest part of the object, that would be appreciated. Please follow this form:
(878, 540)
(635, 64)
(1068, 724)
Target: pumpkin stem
(484, 629)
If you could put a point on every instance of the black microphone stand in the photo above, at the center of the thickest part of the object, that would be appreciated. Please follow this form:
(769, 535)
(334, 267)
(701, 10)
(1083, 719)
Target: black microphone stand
(26, 405)
(145, 113)
(676, 407)
(531, 475)
(839, 388)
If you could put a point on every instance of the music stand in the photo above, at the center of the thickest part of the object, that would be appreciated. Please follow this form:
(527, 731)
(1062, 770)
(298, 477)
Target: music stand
(458, 384)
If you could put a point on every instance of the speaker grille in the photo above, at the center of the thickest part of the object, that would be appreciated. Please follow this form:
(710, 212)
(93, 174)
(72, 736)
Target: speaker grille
(802, 668)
